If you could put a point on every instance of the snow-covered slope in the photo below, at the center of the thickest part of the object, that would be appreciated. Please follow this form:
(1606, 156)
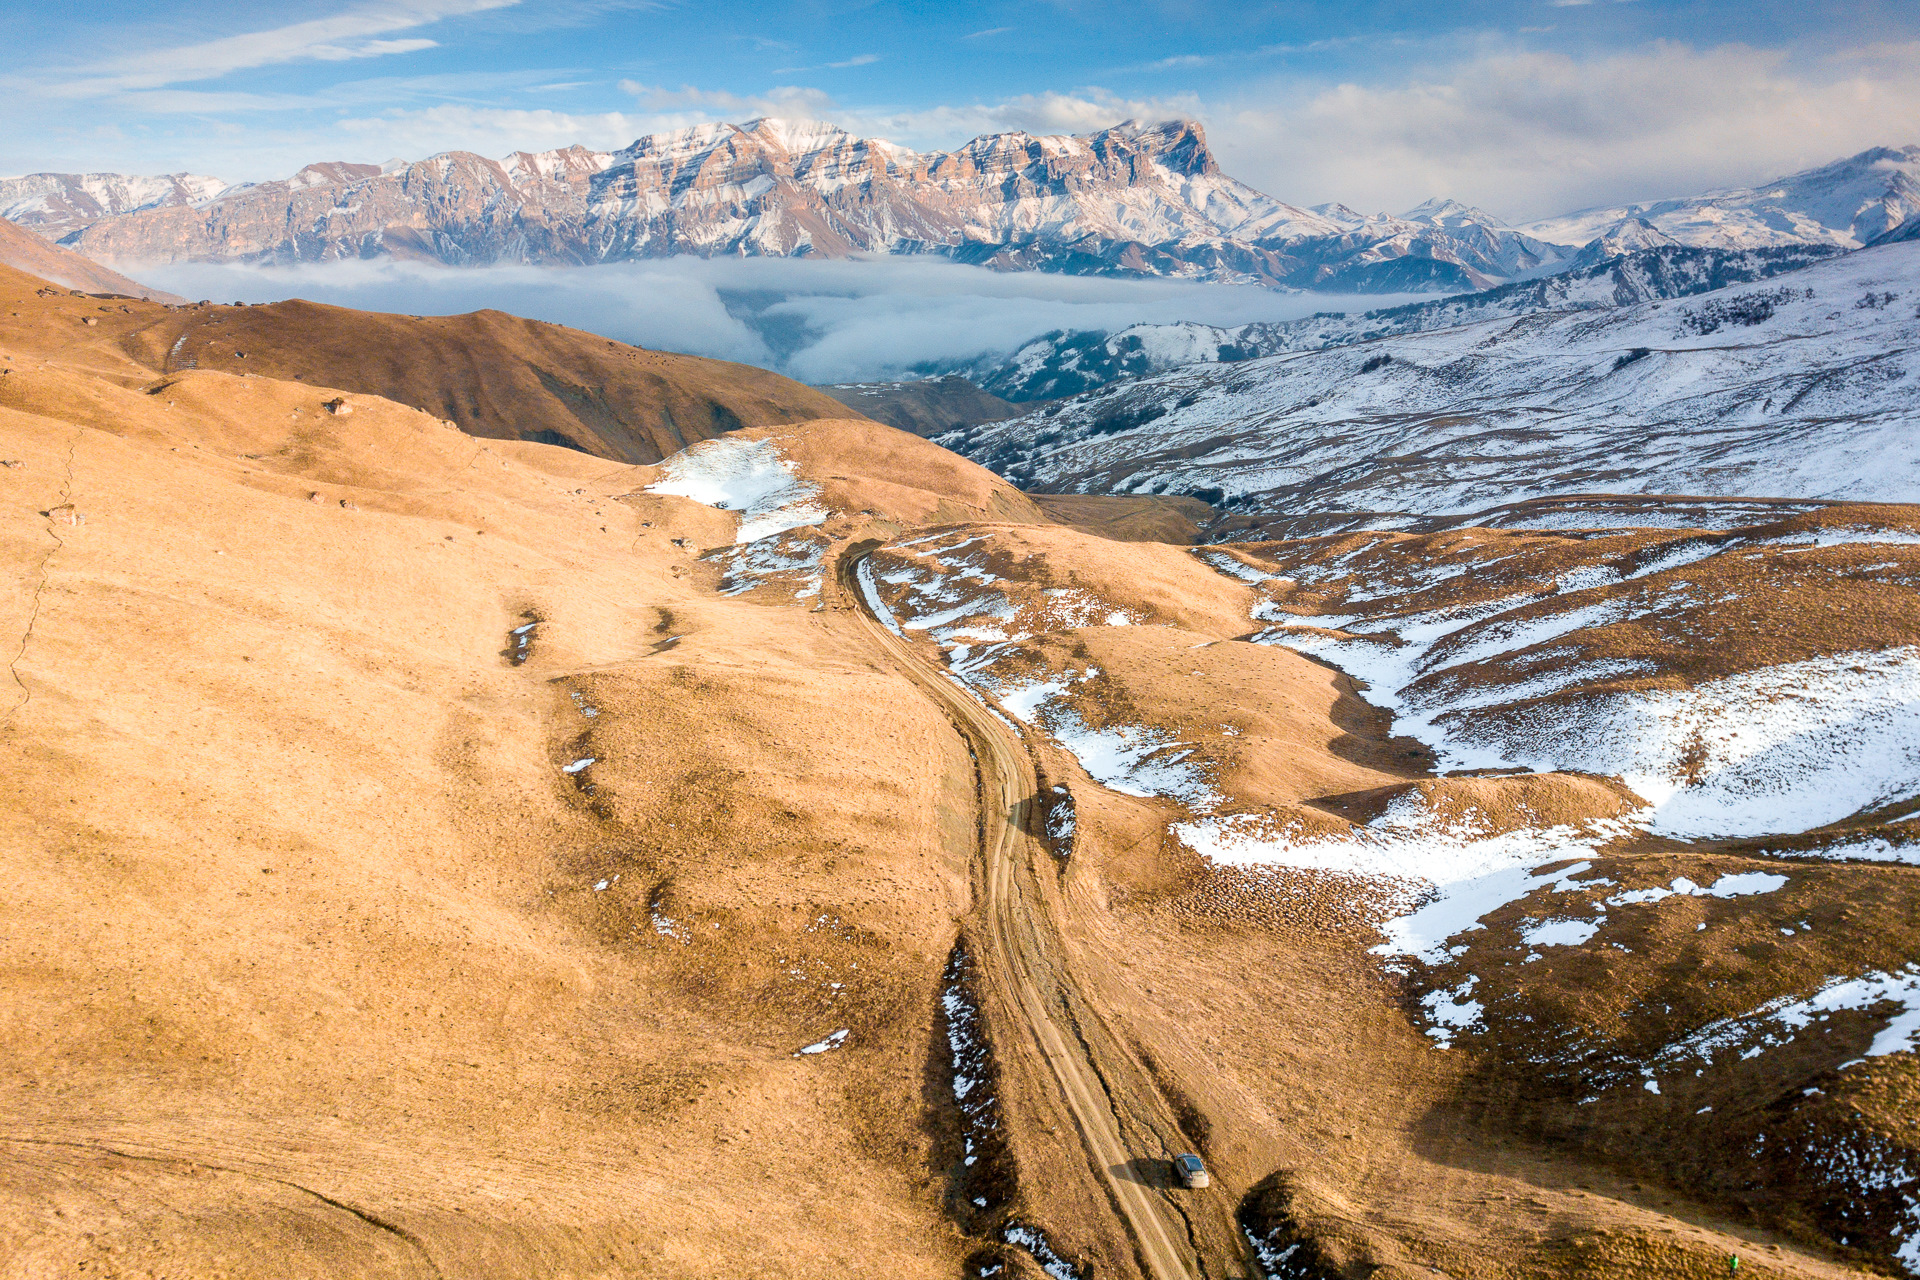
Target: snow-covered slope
(55, 204)
(1804, 386)
(1848, 203)
(1064, 364)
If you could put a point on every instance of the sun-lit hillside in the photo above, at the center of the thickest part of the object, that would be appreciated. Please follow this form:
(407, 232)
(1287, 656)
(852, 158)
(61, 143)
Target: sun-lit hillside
(446, 855)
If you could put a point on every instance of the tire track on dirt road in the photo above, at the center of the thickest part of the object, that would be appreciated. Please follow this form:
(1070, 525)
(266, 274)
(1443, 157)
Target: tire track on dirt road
(1026, 961)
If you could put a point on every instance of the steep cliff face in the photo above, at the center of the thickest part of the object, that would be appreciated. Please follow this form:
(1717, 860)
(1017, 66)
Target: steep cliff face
(457, 208)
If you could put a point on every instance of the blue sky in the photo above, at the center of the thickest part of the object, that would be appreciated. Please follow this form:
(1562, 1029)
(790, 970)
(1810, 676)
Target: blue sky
(1527, 107)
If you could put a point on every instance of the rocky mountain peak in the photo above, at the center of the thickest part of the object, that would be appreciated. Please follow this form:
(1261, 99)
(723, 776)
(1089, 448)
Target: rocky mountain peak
(1451, 213)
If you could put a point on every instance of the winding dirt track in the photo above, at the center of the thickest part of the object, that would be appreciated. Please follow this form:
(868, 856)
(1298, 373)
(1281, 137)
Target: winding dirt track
(1026, 960)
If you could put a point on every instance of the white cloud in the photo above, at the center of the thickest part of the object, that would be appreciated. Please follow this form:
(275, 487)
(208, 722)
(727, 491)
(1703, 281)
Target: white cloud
(824, 321)
(1081, 111)
(338, 38)
(493, 131)
(1529, 134)
(707, 106)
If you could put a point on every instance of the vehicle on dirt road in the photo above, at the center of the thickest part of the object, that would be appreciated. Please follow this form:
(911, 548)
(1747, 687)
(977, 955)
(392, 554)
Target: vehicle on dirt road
(1191, 1172)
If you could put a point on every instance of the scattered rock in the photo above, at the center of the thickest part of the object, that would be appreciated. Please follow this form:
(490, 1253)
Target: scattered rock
(89, 320)
(66, 513)
(316, 497)
(338, 406)
(11, 462)
(349, 506)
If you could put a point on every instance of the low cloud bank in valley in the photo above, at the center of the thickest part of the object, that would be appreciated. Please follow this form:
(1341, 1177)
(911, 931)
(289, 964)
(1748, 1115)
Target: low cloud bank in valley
(840, 321)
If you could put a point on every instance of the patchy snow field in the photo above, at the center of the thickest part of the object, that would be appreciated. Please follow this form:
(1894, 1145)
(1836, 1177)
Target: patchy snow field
(1802, 386)
(750, 477)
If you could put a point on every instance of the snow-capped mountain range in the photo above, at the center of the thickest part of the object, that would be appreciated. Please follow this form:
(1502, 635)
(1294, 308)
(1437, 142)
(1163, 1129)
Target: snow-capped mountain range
(1848, 203)
(58, 204)
(1131, 200)
(1136, 199)
(1804, 386)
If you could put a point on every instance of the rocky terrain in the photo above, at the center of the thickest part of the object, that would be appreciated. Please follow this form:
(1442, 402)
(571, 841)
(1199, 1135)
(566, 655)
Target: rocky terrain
(1797, 387)
(805, 852)
(1131, 200)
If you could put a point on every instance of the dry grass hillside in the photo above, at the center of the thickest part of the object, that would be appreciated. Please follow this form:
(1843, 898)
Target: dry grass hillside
(318, 959)
(24, 251)
(927, 406)
(457, 857)
(498, 376)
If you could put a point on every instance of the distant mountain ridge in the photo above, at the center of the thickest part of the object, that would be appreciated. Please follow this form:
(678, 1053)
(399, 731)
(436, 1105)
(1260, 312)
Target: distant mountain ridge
(1133, 200)
(1849, 203)
(58, 204)
(1802, 386)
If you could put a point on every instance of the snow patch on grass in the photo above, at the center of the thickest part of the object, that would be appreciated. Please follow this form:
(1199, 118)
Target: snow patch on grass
(833, 1041)
(1463, 875)
(1896, 992)
(1872, 849)
(747, 476)
(1781, 749)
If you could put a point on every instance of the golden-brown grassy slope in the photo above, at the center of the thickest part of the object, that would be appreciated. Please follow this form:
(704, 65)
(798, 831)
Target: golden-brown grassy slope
(926, 407)
(1129, 517)
(24, 251)
(305, 914)
(498, 376)
(1251, 993)
(316, 960)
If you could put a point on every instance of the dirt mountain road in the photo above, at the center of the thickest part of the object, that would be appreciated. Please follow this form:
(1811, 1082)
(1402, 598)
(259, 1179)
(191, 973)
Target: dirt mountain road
(1025, 959)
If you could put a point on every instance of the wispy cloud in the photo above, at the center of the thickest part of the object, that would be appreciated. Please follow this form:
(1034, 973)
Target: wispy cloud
(859, 60)
(1181, 61)
(697, 106)
(861, 318)
(356, 33)
(982, 35)
(1526, 133)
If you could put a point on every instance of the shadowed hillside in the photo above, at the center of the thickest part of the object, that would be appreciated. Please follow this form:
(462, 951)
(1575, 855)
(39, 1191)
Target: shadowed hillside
(497, 376)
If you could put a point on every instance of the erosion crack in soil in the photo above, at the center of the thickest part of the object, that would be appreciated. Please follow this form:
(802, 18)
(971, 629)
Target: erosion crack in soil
(40, 586)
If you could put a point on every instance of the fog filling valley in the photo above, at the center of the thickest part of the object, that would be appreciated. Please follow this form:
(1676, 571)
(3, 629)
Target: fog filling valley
(847, 320)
